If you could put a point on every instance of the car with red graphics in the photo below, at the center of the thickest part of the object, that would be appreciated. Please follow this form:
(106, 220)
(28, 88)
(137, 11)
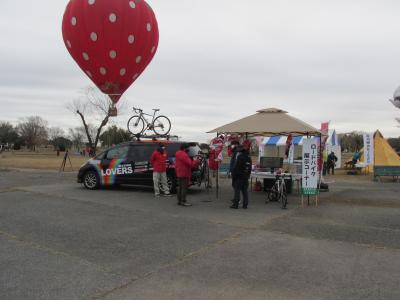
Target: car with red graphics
(129, 164)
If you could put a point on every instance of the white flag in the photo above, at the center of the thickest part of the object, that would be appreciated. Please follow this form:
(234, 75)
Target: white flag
(291, 154)
(368, 149)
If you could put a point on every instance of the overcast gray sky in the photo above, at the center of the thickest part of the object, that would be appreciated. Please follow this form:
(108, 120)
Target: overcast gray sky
(221, 60)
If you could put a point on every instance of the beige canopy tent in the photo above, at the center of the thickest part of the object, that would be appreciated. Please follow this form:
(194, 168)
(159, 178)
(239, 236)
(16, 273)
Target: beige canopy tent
(268, 122)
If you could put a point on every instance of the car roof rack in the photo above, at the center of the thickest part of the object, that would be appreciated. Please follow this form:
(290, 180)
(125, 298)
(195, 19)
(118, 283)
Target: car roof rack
(154, 137)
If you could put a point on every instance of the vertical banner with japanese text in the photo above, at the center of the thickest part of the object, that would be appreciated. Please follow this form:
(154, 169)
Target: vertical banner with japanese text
(369, 148)
(310, 174)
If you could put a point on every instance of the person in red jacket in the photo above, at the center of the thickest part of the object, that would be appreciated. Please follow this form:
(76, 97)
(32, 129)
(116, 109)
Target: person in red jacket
(158, 161)
(183, 168)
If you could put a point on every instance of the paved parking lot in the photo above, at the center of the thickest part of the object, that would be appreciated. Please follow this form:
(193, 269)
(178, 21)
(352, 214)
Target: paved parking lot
(60, 241)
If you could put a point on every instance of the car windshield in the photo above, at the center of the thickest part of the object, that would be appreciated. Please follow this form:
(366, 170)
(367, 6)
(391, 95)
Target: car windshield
(100, 156)
(173, 147)
(194, 150)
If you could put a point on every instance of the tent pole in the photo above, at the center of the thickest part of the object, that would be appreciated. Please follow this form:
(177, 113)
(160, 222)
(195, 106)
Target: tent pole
(216, 179)
(322, 167)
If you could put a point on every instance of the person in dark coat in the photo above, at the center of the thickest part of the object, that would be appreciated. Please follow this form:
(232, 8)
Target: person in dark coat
(331, 162)
(240, 176)
(234, 147)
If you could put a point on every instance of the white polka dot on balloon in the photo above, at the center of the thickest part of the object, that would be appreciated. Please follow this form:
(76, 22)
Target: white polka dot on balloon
(103, 71)
(89, 74)
(135, 76)
(69, 44)
(153, 49)
(132, 4)
(148, 26)
(93, 36)
(112, 18)
(131, 39)
(113, 54)
(122, 72)
(138, 59)
(85, 56)
(91, 2)
(73, 21)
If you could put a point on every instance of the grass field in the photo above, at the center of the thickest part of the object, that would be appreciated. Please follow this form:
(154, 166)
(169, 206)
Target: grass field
(48, 160)
(40, 161)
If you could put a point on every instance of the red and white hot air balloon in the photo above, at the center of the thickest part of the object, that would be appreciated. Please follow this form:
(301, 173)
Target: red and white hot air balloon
(112, 41)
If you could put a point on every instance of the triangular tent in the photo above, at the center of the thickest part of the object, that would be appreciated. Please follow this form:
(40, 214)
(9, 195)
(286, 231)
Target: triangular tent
(384, 155)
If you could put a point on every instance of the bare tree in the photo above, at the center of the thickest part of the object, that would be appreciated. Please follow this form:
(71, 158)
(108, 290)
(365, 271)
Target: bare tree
(33, 130)
(77, 136)
(92, 108)
(56, 132)
(59, 139)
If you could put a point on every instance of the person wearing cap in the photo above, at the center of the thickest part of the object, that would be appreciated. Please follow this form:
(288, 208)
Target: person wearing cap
(158, 161)
(240, 176)
(234, 147)
(332, 159)
(183, 168)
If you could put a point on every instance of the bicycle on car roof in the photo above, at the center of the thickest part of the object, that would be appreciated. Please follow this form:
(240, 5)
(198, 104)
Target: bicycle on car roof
(138, 124)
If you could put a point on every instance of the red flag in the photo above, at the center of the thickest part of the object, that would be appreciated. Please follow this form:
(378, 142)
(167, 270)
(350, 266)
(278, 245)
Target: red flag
(288, 144)
(324, 131)
(325, 128)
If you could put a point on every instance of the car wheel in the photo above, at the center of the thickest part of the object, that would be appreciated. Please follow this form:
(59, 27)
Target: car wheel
(172, 184)
(91, 180)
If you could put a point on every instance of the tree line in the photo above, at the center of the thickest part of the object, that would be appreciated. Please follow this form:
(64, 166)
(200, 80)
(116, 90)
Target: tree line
(354, 140)
(92, 109)
(33, 132)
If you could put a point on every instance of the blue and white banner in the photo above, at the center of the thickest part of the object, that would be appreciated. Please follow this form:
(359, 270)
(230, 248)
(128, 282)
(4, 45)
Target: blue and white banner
(368, 149)
(281, 140)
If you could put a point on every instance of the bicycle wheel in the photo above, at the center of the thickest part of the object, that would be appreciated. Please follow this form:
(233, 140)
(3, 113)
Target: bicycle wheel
(284, 197)
(207, 180)
(135, 125)
(202, 169)
(273, 194)
(201, 175)
(161, 125)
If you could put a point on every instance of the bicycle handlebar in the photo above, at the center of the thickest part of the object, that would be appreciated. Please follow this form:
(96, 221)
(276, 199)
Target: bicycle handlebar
(137, 110)
(282, 175)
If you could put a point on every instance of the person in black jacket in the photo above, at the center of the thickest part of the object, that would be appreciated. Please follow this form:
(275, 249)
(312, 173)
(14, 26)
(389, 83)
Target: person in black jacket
(332, 159)
(234, 146)
(240, 176)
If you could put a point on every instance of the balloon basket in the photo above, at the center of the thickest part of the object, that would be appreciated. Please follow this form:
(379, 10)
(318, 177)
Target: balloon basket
(113, 112)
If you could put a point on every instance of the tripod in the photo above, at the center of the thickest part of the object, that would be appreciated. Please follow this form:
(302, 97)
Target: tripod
(62, 167)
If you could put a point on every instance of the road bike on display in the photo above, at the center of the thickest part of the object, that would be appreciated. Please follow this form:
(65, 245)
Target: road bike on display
(202, 175)
(138, 124)
(278, 191)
